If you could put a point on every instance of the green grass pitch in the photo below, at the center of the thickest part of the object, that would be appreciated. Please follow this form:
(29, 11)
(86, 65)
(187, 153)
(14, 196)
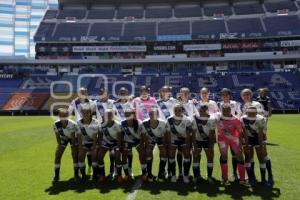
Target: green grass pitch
(27, 147)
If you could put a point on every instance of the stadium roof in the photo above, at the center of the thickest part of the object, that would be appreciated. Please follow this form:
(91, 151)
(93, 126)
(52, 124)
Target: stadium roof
(142, 1)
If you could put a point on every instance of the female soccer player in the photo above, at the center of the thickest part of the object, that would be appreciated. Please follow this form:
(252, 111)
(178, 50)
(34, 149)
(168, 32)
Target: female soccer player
(109, 137)
(254, 125)
(229, 132)
(166, 103)
(204, 127)
(179, 128)
(88, 134)
(204, 98)
(143, 103)
(65, 130)
(122, 103)
(155, 131)
(133, 137)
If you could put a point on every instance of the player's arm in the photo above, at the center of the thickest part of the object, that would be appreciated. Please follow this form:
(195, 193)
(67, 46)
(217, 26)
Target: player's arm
(57, 138)
(80, 143)
(97, 138)
(188, 138)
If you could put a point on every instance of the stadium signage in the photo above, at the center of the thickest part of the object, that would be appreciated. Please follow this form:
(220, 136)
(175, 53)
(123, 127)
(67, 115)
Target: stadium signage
(290, 43)
(164, 48)
(6, 76)
(201, 47)
(241, 45)
(142, 48)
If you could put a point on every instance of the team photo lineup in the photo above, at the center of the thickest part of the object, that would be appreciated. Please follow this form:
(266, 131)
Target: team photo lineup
(180, 128)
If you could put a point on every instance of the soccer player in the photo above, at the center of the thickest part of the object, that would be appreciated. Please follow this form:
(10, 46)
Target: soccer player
(253, 125)
(264, 100)
(132, 137)
(88, 134)
(110, 131)
(166, 103)
(143, 103)
(122, 103)
(203, 126)
(204, 98)
(229, 132)
(235, 108)
(155, 131)
(179, 128)
(102, 104)
(65, 130)
(75, 107)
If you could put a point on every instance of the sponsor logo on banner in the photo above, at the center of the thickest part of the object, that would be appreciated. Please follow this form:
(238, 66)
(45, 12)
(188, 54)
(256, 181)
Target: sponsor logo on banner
(201, 47)
(6, 76)
(241, 45)
(290, 43)
(109, 48)
(174, 37)
(164, 48)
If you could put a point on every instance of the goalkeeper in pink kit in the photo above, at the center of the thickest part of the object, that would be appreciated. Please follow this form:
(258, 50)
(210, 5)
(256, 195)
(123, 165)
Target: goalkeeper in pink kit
(229, 134)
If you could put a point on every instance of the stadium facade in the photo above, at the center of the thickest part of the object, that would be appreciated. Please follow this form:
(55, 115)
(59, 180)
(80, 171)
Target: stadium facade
(19, 20)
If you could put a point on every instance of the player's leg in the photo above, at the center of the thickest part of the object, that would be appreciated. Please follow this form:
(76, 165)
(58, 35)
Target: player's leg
(149, 160)
(237, 150)
(234, 165)
(172, 154)
(209, 152)
(58, 155)
(262, 163)
(196, 162)
(127, 148)
(142, 155)
(118, 153)
(102, 152)
(223, 146)
(74, 152)
(130, 159)
(162, 163)
(112, 159)
(81, 158)
(268, 161)
(89, 162)
(187, 162)
(179, 158)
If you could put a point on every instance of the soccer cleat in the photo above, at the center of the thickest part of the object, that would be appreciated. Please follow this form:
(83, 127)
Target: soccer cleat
(173, 179)
(226, 182)
(271, 181)
(243, 182)
(251, 181)
(130, 172)
(210, 180)
(186, 179)
(55, 179)
(235, 177)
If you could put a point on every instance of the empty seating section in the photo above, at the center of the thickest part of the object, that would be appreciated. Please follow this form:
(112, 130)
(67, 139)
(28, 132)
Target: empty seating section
(140, 31)
(101, 13)
(174, 28)
(188, 11)
(106, 30)
(50, 14)
(44, 31)
(158, 12)
(78, 14)
(208, 28)
(249, 27)
(130, 12)
(282, 25)
(71, 31)
(213, 10)
(247, 9)
(280, 5)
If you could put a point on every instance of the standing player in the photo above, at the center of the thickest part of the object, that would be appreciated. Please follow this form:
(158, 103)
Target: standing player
(155, 131)
(204, 126)
(122, 103)
(65, 130)
(179, 128)
(229, 132)
(102, 104)
(133, 137)
(88, 134)
(264, 100)
(204, 99)
(254, 125)
(110, 131)
(166, 103)
(235, 108)
(75, 107)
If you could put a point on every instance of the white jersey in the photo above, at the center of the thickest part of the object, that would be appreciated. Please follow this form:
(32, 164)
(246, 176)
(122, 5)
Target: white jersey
(253, 128)
(259, 107)
(120, 109)
(65, 133)
(189, 109)
(179, 130)
(235, 107)
(76, 106)
(88, 131)
(202, 130)
(130, 135)
(166, 108)
(110, 133)
(101, 107)
(157, 132)
(212, 106)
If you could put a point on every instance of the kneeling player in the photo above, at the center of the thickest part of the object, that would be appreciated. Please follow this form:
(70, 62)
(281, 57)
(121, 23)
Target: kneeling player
(65, 130)
(88, 134)
(204, 127)
(179, 128)
(133, 137)
(253, 125)
(229, 132)
(110, 131)
(155, 131)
